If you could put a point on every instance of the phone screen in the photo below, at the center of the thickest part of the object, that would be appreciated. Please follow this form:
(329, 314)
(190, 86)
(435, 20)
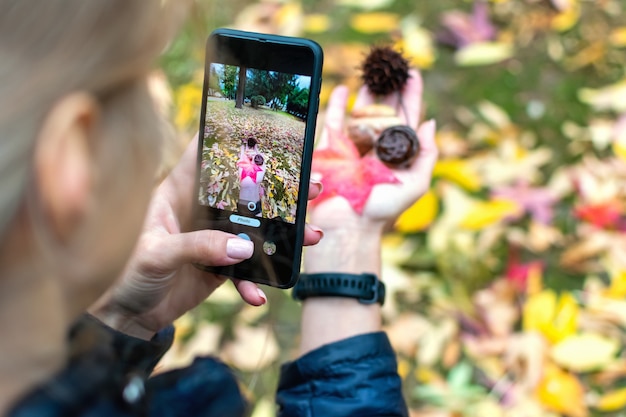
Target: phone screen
(256, 132)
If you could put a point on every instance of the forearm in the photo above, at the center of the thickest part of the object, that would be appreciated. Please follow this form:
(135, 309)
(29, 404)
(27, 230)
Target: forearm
(330, 319)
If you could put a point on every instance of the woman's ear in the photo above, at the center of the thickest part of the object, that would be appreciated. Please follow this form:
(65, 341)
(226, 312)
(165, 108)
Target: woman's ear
(64, 162)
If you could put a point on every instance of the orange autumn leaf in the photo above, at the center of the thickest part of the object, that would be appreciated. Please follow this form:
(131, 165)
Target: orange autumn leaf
(346, 174)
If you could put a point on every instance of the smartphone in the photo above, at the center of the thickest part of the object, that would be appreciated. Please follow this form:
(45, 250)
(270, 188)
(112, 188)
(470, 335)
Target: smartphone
(257, 127)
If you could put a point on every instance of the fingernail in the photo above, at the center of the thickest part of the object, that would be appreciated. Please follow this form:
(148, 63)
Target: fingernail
(262, 295)
(318, 184)
(317, 230)
(237, 248)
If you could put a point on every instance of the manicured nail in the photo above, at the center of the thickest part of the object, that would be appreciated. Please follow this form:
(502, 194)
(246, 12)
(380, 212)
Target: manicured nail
(317, 183)
(262, 295)
(237, 248)
(316, 229)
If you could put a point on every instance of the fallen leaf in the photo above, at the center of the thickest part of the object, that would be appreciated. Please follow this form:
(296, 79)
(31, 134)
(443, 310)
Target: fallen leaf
(365, 4)
(417, 43)
(556, 317)
(420, 215)
(316, 23)
(568, 17)
(375, 22)
(458, 171)
(562, 392)
(483, 53)
(344, 173)
(611, 97)
(612, 401)
(487, 213)
(618, 37)
(585, 352)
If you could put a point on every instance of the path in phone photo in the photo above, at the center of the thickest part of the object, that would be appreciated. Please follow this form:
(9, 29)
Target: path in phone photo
(280, 138)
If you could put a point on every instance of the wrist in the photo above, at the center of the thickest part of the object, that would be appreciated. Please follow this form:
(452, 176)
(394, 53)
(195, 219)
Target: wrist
(345, 251)
(121, 322)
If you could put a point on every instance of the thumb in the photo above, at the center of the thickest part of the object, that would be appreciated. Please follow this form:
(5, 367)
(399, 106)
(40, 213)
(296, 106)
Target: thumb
(207, 247)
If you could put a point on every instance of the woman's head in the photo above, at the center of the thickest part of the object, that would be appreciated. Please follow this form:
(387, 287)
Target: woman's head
(79, 134)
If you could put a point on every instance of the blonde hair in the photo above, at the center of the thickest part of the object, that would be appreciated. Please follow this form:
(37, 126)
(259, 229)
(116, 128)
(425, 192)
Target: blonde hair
(52, 48)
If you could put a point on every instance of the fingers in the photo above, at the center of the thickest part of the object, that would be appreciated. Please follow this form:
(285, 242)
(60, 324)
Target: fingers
(250, 292)
(206, 247)
(315, 188)
(364, 98)
(427, 157)
(335, 114)
(408, 105)
(312, 235)
(411, 106)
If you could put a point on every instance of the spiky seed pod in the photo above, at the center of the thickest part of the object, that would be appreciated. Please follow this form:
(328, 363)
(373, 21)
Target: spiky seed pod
(384, 70)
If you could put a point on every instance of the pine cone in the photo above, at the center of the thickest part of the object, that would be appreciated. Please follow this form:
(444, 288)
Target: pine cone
(385, 71)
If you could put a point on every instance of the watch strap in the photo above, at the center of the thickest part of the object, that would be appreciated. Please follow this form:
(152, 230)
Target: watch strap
(366, 288)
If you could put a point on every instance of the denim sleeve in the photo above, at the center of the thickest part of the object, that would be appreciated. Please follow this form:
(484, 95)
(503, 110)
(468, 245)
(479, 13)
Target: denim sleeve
(352, 377)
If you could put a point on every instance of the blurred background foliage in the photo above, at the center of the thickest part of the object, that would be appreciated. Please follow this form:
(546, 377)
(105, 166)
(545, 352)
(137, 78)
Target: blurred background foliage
(507, 280)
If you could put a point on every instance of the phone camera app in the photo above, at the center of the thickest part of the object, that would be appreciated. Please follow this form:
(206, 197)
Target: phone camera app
(254, 132)
(269, 248)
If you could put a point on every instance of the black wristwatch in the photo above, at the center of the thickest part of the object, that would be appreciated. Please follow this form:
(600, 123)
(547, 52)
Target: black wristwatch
(366, 288)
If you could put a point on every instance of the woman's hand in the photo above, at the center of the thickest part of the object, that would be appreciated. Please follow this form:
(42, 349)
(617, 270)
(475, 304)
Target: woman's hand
(357, 236)
(352, 241)
(160, 283)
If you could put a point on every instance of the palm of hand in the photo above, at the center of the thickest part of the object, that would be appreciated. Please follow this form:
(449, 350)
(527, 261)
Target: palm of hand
(387, 197)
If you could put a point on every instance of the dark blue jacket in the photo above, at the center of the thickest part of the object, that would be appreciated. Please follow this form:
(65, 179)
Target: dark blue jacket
(108, 375)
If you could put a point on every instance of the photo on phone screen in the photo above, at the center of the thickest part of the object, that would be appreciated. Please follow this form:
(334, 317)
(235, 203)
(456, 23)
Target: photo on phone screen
(260, 101)
(253, 146)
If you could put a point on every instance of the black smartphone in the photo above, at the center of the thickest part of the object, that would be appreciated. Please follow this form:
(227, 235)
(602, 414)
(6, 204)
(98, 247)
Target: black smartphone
(257, 128)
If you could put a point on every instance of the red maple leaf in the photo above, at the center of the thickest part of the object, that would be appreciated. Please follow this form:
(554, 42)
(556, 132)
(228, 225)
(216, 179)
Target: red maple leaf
(345, 173)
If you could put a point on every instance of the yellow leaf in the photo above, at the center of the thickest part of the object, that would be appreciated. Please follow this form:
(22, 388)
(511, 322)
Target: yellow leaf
(618, 37)
(585, 352)
(487, 213)
(619, 149)
(554, 317)
(567, 18)
(565, 321)
(416, 43)
(420, 215)
(404, 367)
(483, 53)
(459, 172)
(617, 289)
(538, 310)
(188, 99)
(316, 23)
(375, 22)
(612, 400)
(562, 392)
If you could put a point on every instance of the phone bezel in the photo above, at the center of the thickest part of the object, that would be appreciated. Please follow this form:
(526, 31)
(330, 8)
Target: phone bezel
(275, 53)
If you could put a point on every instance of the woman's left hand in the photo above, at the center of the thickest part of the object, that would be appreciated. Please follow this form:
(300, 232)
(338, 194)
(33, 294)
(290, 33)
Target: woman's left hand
(160, 283)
